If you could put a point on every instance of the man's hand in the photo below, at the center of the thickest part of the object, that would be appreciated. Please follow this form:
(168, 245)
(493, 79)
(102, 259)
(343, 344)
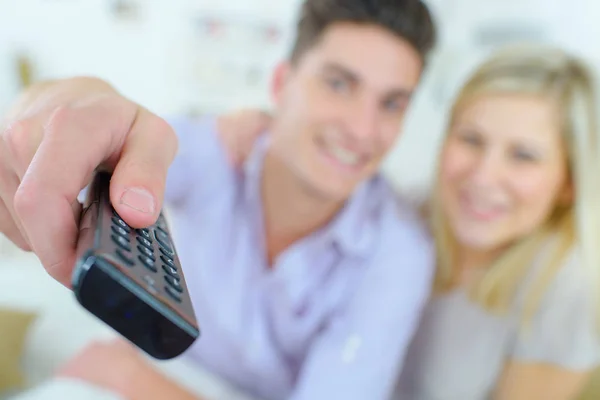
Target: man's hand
(110, 365)
(240, 129)
(51, 143)
(118, 367)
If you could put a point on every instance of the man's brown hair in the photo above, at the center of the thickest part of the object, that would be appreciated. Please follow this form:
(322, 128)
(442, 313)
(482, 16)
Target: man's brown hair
(408, 19)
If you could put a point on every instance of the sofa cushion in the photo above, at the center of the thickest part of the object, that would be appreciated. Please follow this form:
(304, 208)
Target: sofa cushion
(14, 330)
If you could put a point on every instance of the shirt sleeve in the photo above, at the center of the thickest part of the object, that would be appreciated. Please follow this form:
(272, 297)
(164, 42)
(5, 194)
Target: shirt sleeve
(201, 167)
(564, 330)
(360, 354)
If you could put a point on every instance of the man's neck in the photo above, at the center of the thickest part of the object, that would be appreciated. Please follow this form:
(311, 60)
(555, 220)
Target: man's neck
(291, 210)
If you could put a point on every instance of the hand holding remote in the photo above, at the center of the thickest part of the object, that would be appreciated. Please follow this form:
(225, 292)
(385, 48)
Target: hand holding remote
(51, 143)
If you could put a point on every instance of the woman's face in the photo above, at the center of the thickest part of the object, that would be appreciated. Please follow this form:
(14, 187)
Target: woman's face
(503, 170)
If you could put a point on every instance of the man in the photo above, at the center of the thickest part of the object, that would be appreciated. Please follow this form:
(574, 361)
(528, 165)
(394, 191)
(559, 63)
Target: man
(306, 275)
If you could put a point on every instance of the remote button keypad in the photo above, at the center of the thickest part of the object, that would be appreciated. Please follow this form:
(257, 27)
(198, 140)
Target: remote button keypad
(125, 258)
(168, 261)
(163, 240)
(148, 263)
(120, 231)
(122, 242)
(151, 250)
(122, 224)
(166, 254)
(174, 283)
(145, 242)
(146, 251)
(145, 233)
(171, 272)
(173, 294)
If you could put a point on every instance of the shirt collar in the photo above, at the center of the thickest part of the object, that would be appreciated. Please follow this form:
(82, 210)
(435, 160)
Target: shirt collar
(352, 230)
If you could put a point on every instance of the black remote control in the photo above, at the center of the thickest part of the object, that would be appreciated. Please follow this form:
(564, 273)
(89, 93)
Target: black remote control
(131, 278)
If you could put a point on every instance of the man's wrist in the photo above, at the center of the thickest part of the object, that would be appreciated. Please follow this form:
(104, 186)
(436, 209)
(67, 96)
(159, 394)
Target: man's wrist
(144, 382)
(132, 379)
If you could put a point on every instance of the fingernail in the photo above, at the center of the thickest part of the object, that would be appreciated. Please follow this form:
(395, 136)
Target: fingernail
(139, 199)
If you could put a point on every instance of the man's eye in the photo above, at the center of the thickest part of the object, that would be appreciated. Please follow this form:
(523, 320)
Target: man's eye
(337, 84)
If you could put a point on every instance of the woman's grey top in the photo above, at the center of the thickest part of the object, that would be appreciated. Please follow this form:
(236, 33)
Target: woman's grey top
(459, 350)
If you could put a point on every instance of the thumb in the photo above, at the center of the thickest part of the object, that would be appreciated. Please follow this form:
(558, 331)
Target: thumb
(139, 178)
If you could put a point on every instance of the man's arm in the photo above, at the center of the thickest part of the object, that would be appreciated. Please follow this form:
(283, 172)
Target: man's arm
(117, 367)
(148, 384)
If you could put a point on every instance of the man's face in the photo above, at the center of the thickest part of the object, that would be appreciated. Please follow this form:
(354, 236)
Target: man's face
(340, 107)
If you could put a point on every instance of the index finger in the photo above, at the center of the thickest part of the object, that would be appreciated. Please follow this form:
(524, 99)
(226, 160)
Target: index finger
(73, 145)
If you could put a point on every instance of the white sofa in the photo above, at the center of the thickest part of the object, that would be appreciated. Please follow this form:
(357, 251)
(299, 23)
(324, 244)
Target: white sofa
(62, 328)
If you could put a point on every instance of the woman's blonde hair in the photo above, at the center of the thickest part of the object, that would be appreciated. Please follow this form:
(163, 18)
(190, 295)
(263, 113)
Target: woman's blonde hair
(549, 72)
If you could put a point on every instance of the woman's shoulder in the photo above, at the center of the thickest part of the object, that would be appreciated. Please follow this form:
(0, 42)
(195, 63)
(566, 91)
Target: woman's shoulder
(563, 327)
(573, 278)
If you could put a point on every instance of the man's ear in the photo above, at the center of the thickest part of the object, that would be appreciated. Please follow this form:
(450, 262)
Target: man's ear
(279, 80)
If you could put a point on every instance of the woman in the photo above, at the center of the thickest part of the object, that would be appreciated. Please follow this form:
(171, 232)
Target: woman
(515, 219)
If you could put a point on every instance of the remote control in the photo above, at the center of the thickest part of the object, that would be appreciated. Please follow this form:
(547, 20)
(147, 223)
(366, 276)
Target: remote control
(131, 279)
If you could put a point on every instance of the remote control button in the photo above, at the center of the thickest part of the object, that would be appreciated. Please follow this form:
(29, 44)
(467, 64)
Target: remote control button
(174, 283)
(171, 271)
(166, 254)
(121, 242)
(146, 251)
(121, 224)
(174, 295)
(126, 259)
(145, 242)
(168, 261)
(119, 231)
(148, 263)
(149, 280)
(163, 240)
(145, 233)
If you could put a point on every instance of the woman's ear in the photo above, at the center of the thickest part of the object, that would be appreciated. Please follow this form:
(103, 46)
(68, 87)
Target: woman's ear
(279, 80)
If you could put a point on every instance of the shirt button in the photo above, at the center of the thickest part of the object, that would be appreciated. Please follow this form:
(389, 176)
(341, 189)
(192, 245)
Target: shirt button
(351, 348)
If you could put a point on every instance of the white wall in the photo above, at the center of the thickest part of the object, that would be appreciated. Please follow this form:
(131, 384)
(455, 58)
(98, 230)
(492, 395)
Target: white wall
(162, 59)
(159, 58)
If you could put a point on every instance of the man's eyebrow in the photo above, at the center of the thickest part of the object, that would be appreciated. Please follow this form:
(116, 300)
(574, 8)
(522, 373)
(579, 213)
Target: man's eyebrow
(401, 93)
(335, 68)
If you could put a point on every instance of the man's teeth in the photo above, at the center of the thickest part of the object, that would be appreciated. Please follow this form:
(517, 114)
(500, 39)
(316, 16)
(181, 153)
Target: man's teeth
(344, 156)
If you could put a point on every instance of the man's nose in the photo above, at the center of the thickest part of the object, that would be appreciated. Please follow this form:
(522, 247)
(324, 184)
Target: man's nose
(363, 120)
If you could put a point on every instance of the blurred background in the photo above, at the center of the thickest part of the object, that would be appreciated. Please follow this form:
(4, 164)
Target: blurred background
(208, 56)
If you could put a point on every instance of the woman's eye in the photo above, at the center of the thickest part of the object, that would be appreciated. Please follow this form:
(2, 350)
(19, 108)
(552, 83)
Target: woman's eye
(523, 155)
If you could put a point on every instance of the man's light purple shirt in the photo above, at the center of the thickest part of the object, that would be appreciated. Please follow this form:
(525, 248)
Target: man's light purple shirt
(334, 316)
